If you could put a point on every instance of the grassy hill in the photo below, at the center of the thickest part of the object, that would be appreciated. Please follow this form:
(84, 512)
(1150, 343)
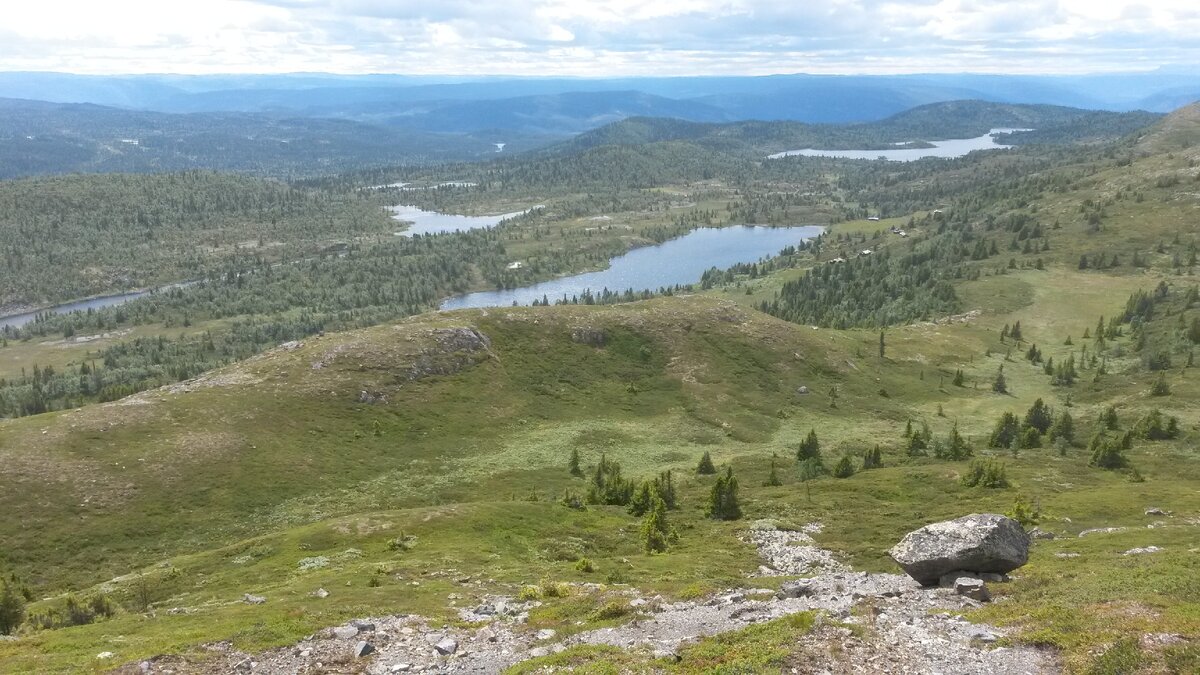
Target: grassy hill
(386, 464)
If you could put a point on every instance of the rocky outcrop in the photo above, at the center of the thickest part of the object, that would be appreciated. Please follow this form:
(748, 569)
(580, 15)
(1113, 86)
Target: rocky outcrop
(977, 543)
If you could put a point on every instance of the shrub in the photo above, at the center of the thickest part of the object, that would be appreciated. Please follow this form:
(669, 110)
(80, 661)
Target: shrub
(1107, 453)
(985, 473)
(844, 468)
(1155, 426)
(584, 565)
(613, 609)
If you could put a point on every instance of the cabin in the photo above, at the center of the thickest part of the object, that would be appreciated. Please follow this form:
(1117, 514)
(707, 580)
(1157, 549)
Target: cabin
(865, 251)
(837, 260)
(515, 265)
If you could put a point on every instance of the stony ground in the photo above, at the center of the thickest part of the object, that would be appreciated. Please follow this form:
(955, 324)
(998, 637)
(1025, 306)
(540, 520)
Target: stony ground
(906, 628)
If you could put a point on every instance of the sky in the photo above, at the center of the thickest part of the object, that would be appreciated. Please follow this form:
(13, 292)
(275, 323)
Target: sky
(607, 38)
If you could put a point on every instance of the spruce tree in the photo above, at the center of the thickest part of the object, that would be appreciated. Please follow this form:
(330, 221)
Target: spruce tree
(723, 499)
(12, 607)
(872, 459)
(1039, 416)
(1063, 427)
(810, 447)
(1004, 434)
(706, 468)
(773, 476)
(573, 464)
(654, 527)
(844, 468)
(1000, 385)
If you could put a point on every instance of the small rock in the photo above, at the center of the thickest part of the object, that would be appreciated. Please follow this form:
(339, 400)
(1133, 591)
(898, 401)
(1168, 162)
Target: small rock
(253, 599)
(667, 654)
(538, 652)
(362, 649)
(1142, 550)
(446, 646)
(1039, 533)
(637, 602)
(1101, 530)
(951, 580)
(321, 593)
(345, 632)
(105, 655)
(795, 589)
(245, 665)
(1066, 555)
(993, 578)
(1155, 511)
(400, 668)
(363, 626)
(545, 634)
(983, 635)
(972, 588)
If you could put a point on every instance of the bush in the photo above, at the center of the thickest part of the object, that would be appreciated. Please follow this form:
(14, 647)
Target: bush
(613, 609)
(584, 565)
(985, 473)
(844, 468)
(75, 612)
(1156, 426)
(1107, 453)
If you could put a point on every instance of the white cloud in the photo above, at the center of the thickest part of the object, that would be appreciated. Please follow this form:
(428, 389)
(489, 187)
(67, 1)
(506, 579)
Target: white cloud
(606, 37)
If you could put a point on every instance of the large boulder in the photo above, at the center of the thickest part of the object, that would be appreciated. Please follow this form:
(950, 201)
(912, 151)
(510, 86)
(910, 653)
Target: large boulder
(981, 542)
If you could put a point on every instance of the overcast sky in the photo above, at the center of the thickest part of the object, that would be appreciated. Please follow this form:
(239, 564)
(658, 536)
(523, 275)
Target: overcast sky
(611, 37)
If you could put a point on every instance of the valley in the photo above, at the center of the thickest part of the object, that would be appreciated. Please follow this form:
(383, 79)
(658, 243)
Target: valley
(301, 439)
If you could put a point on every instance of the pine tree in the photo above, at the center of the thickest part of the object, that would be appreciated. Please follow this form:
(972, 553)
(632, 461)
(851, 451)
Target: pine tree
(1106, 453)
(1108, 419)
(1000, 385)
(723, 500)
(872, 459)
(1161, 388)
(810, 447)
(573, 464)
(655, 530)
(956, 447)
(808, 471)
(1030, 438)
(1039, 416)
(773, 476)
(1004, 434)
(844, 467)
(12, 607)
(1063, 427)
(959, 378)
(706, 468)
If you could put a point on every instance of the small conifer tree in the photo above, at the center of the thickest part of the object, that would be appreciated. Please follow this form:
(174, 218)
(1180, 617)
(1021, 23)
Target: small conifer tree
(706, 468)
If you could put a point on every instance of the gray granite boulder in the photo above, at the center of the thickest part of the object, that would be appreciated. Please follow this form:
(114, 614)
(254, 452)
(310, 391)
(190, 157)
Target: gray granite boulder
(981, 542)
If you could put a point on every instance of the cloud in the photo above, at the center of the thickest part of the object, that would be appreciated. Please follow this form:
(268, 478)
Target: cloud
(596, 38)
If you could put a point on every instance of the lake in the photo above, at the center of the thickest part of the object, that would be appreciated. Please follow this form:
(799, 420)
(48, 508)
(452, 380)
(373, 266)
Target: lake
(432, 222)
(18, 320)
(955, 147)
(678, 261)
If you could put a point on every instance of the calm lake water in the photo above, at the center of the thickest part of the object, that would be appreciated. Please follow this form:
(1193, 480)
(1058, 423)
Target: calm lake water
(18, 320)
(678, 261)
(432, 222)
(955, 147)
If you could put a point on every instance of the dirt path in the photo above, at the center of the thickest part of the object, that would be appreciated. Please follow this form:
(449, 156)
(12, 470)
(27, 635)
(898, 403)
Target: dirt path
(906, 628)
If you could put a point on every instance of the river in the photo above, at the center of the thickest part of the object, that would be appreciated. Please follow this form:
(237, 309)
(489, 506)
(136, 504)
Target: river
(678, 261)
(955, 147)
(18, 320)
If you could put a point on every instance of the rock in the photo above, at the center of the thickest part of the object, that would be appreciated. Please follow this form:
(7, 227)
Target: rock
(362, 649)
(545, 634)
(593, 337)
(1039, 533)
(105, 655)
(1142, 550)
(667, 654)
(801, 390)
(949, 579)
(538, 652)
(253, 599)
(993, 578)
(983, 635)
(976, 543)
(400, 668)
(363, 626)
(446, 646)
(795, 589)
(1101, 530)
(972, 588)
(1155, 511)
(1060, 554)
(321, 593)
(244, 666)
(345, 632)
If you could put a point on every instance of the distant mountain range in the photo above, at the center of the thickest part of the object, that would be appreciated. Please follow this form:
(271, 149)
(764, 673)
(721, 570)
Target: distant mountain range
(571, 105)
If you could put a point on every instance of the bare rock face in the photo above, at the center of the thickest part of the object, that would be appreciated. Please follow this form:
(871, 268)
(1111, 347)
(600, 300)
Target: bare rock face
(977, 543)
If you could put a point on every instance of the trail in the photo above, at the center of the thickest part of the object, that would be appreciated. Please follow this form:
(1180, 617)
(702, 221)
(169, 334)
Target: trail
(906, 629)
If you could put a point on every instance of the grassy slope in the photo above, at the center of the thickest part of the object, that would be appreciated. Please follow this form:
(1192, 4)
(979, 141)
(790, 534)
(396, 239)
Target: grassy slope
(295, 469)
